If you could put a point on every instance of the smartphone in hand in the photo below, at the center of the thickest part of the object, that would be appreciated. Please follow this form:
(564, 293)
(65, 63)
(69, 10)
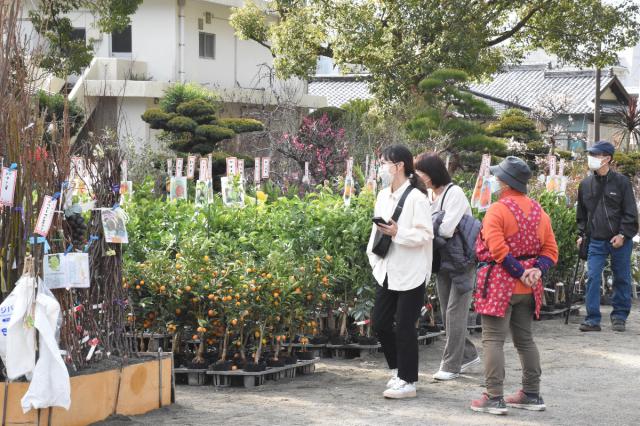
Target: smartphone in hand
(379, 221)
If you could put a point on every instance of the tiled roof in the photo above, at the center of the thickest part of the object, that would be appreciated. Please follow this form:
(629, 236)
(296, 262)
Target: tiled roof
(339, 89)
(526, 86)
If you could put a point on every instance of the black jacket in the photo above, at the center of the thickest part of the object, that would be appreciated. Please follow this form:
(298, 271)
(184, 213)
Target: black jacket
(616, 213)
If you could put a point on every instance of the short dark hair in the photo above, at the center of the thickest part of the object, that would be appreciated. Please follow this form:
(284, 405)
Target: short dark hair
(432, 165)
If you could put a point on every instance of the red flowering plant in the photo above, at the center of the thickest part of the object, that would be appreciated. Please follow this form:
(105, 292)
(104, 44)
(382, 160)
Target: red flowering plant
(318, 141)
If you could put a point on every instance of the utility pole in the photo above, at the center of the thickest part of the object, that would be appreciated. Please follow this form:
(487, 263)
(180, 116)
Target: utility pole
(596, 109)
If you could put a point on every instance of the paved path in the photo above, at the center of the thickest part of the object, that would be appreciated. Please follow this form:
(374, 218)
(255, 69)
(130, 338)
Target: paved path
(588, 379)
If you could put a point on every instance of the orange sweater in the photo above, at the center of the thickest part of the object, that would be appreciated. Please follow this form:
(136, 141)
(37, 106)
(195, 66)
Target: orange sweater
(500, 224)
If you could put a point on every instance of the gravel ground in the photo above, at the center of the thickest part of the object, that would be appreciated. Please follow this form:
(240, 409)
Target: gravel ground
(588, 379)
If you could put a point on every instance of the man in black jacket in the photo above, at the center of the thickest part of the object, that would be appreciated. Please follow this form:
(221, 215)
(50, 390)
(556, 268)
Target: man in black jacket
(608, 217)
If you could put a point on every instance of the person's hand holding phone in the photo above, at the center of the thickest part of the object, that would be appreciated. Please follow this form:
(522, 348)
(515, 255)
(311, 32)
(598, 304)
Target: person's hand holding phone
(387, 228)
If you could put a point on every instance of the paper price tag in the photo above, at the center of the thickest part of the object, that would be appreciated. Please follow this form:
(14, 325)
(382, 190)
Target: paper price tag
(8, 186)
(94, 344)
(204, 169)
(256, 170)
(191, 166)
(266, 167)
(210, 164)
(552, 165)
(561, 168)
(232, 166)
(179, 163)
(169, 166)
(241, 168)
(45, 217)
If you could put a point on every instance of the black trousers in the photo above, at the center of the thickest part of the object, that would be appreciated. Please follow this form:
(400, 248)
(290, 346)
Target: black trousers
(400, 345)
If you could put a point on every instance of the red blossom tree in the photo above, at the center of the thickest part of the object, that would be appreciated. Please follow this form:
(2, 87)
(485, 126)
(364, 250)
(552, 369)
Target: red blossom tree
(319, 142)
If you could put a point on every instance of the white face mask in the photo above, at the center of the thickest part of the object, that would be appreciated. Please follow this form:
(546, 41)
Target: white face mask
(385, 175)
(594, 163)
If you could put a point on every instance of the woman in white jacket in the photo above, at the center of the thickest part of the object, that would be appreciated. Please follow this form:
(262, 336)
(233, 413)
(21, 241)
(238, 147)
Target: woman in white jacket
(402, 273)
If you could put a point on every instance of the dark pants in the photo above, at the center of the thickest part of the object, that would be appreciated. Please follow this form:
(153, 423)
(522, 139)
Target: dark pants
(599, 251)
(400, 345)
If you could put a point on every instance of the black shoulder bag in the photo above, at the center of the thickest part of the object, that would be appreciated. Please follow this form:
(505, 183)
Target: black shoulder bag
(382, 242)
(583, 251)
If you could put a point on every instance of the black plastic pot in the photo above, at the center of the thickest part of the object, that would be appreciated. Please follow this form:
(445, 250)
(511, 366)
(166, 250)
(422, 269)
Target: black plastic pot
(305, 356)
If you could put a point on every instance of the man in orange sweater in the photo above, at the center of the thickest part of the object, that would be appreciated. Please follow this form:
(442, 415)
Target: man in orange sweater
(515, 248)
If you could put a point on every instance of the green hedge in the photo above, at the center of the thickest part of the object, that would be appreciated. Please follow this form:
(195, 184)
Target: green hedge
(241, 125)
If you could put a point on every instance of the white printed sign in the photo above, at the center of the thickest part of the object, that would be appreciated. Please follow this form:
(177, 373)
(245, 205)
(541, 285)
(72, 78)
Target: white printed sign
(45, 217)
(191, 166)
(204, 166)
(179, 162)
(241, 168)
(169, 166)
(552, 165)
(266, 167)
(69, 270)
(232, 166)
(210, 159)
(256, 170)
(8, 186)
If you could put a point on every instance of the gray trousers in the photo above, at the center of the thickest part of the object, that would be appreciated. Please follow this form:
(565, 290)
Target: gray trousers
(455, 311)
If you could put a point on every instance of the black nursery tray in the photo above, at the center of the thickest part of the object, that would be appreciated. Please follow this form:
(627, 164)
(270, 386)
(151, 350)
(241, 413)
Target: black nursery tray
(429, 337)
(247, 379)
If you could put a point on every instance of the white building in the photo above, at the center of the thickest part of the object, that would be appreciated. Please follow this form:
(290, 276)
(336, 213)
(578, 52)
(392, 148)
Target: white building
(172, 41)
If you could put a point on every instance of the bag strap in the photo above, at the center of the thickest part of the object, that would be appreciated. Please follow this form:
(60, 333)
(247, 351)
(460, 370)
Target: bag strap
(398, 210)
(445, 195)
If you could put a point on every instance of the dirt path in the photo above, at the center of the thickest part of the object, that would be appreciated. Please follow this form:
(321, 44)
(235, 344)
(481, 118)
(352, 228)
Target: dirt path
(588, 379)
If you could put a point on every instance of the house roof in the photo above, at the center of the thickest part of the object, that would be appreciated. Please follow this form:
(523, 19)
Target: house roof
(339, 89)
(526, 86)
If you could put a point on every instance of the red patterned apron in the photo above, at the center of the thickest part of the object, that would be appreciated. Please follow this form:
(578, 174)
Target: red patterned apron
(495, 286)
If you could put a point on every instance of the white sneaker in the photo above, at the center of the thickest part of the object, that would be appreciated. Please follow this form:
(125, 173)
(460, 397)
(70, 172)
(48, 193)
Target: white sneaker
(445, 375)
(401, 390)
(394, 378)
(470, 364)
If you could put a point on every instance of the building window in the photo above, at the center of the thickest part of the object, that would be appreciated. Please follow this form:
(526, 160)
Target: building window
(207, 45)
(79, 34)
(121, 41)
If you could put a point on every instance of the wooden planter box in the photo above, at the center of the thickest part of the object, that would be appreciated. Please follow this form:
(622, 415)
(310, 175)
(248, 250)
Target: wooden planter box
(137, 389)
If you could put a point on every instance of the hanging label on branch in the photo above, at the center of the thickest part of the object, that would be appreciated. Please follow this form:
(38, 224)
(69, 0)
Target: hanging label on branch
(203, 172)
(241, 169)
(169, 166)
(69, 270)
(178, 188)
(266, 167)
(232, 192)
(191, 166)
(8, 188)
(204, 193)
(45, 217)
(114, 224)
(232, 166)
(256, 170)
(179, 163)
(481, 190)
